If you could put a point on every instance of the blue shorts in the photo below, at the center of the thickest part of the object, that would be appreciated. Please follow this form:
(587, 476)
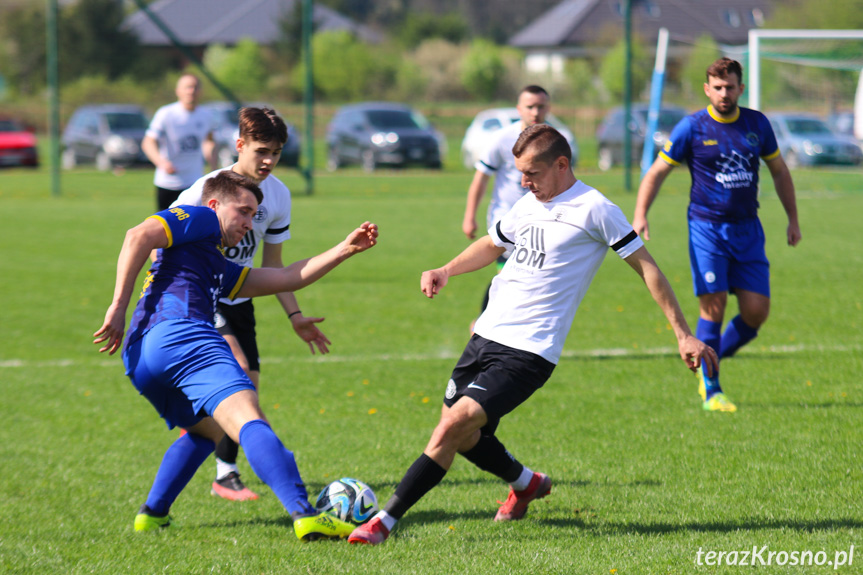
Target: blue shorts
(185, 368)
(728, 256)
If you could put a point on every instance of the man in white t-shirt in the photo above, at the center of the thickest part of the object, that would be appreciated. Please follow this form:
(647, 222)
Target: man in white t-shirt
(558, 234)
(262, 136)
(498, 162)
(179, 139)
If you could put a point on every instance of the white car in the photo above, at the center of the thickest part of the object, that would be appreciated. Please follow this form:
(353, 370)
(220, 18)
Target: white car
(487, 122)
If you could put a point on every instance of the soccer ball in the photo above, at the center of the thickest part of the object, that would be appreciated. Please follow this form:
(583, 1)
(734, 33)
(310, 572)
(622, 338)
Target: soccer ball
(349, 500)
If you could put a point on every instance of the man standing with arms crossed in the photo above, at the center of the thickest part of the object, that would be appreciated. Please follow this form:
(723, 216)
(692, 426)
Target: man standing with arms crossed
(178, 140)
(262, 136)
(722, 145)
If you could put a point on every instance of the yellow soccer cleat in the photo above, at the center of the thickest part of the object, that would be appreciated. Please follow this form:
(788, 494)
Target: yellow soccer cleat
(718, 402)
(321, 526)
(702, 386)
(146, 521)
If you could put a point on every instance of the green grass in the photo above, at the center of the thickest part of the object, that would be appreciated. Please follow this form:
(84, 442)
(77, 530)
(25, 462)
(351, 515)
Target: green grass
(643, 477)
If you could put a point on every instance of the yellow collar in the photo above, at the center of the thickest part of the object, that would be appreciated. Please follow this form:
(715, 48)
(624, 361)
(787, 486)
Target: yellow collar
(715, 115)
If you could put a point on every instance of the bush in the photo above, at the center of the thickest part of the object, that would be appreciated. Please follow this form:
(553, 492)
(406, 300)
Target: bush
(482, 71)
(613, 67)
(440, 62)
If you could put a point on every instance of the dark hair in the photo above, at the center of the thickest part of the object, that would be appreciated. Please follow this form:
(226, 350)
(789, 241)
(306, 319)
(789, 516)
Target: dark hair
(226, 185)
(723, 68)
(262, 125)
(547, 143)
(533, 89)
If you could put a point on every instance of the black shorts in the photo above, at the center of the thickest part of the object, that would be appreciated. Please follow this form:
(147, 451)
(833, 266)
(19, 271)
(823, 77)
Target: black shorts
(498, 377)
(239, 320)
(166, 197)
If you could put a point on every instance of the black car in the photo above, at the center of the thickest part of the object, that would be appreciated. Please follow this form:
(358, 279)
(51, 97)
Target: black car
(609, 135)
(381, 133)
(107, 135)
(227, 132)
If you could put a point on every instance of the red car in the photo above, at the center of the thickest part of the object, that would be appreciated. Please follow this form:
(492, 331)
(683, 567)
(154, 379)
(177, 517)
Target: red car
(17, 145)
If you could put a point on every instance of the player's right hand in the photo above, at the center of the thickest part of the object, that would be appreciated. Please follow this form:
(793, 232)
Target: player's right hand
(468, 226)
(433, 281)
(112, 330)
(641, 228)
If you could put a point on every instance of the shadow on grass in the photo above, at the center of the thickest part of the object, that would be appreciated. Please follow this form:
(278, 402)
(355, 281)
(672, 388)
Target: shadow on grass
(717, 527)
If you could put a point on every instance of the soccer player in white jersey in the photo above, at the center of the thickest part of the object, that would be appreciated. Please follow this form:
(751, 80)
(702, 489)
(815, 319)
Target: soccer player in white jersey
(178, 140)
(262, 136)
(559, 234)
(498, 162)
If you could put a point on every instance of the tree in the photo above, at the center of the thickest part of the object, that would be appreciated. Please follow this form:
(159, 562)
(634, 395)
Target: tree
(693, 73)
(22, 53)
(241, 68)
(483, 70)
(613, 66)
(419, 27)
(92, 42)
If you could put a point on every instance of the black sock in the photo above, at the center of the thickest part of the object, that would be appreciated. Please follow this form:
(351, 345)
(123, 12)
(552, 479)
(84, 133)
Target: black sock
(227, 450)
(490, 455)
(420, 478)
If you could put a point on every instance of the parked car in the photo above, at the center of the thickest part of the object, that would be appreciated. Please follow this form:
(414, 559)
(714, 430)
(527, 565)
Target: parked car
(486, 123)
(17, 144)
(382, 133)
(108, 135)
(842, 122)
(806, 140)
(227, 132)
(609, 135)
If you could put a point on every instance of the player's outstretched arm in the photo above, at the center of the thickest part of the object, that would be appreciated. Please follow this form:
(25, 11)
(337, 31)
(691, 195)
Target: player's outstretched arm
(139, 242)
(268, 281)
(647, 191)
(692, 351)
(476, 256)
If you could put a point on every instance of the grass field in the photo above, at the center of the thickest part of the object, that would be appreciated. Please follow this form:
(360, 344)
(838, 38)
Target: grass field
(643, 478)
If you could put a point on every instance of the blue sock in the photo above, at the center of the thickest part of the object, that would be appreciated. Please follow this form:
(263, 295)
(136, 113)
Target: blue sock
(179, 465)
(710, 333)
(275, 466)
(737, 334)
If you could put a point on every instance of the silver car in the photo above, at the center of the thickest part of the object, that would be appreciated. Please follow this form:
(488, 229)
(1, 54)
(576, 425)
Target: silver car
(107, 135)
(807, 140)
(481, 130)
(609, 135)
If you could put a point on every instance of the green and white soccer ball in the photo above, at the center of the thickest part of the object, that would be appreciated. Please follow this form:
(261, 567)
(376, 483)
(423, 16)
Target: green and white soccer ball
(348, 499)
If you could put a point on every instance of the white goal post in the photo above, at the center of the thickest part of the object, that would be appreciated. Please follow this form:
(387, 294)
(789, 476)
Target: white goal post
(755, 37)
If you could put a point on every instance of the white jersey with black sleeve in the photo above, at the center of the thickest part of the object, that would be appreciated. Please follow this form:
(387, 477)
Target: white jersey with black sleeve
(271, 223)
(557, 248)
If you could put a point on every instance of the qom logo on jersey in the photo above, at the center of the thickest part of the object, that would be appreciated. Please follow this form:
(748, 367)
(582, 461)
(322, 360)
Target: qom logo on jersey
(733, 170)
(530, 249)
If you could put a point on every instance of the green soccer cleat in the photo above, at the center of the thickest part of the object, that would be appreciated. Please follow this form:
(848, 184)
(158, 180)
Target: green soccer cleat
(146, 521)
(321, 526)
(718, 402)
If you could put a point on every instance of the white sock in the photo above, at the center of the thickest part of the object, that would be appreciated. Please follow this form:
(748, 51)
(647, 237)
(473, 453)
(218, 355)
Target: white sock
(223, 468)
(523, 480)
(388, 520)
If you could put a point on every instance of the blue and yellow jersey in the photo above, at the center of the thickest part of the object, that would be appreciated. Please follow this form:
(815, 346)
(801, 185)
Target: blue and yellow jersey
(191, 273)
(723, 158)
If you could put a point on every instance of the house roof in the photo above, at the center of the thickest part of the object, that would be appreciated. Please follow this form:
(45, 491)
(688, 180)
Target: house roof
(574, 23)
(204, 22)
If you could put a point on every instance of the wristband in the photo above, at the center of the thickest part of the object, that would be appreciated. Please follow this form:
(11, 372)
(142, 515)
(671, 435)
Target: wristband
(293, 313)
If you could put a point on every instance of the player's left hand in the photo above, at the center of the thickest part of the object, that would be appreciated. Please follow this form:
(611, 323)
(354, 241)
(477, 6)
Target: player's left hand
(694, 352)
(794, 235)
(362, 238)
(307, 330)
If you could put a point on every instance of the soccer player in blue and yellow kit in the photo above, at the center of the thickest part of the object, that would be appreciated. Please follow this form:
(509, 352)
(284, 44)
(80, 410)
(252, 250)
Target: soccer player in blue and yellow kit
(179, 362)
(722, 145)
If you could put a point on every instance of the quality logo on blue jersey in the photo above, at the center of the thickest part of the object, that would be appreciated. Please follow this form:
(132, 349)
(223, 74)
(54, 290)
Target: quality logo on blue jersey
(733, 170)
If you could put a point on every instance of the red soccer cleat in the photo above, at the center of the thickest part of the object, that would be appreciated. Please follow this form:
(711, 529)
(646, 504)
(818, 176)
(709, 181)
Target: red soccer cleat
(230, 487)
(372, 533)
(516, 504)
